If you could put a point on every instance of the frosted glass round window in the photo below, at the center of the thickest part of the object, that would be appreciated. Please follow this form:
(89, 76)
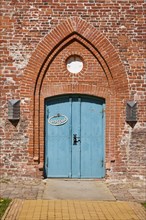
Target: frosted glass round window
(74, 64)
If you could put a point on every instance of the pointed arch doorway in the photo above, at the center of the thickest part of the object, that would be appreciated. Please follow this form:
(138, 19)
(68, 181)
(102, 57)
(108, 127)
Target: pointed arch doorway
(74, 140)
(102, 75)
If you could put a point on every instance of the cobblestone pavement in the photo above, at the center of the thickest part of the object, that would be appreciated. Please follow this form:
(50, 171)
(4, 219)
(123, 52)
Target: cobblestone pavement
(74, 210)
(128, 190)
(35, 188)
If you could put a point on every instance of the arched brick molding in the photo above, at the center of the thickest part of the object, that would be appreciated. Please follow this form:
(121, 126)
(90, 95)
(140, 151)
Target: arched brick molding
(69, 31)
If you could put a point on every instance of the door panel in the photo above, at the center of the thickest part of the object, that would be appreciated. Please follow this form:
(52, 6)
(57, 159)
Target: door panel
(58, 137)
(74, 149)
(76, 134)
(92, 150)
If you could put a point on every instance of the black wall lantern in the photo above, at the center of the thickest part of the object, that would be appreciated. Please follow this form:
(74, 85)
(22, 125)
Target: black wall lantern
(131, 113)
(14, 109)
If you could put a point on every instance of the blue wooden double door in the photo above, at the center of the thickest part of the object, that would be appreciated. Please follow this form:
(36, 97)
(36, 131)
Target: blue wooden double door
(74, 137)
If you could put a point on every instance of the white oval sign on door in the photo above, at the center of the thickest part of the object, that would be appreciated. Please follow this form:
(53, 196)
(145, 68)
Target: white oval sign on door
(57, 120)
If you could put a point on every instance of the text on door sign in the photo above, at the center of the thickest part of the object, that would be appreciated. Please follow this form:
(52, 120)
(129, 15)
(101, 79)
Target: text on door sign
(57, 120)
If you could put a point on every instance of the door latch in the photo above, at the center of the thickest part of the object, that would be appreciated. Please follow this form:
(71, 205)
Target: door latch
(76, 139)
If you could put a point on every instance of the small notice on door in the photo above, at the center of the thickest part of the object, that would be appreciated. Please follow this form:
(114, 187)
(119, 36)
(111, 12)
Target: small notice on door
(57, 120)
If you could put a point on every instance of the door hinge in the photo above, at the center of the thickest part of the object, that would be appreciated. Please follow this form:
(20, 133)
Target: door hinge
(47, 162)
(103, 112)
(47, 113)
(102, 163)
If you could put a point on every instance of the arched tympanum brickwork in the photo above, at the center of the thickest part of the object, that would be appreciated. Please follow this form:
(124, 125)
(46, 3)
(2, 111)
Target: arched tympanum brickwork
(102, 76)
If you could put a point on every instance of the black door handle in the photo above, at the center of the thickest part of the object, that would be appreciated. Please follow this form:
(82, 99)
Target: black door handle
(75, 139)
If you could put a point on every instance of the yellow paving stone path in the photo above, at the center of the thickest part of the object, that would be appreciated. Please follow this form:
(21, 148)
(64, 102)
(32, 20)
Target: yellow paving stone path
(74, 210)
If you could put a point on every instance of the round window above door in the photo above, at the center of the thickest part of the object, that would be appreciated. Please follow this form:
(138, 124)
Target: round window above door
(74, 64)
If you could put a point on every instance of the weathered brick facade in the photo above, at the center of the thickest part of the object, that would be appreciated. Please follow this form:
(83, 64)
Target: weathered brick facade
(36, 39)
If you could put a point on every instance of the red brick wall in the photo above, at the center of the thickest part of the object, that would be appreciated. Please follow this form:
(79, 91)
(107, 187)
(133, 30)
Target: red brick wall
(37, 37)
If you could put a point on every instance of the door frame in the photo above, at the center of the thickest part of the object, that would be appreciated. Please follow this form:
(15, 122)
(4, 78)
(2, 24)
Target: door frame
(91, 97)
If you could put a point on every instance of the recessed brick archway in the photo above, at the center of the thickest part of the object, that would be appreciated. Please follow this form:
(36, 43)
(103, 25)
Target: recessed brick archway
(40, 81)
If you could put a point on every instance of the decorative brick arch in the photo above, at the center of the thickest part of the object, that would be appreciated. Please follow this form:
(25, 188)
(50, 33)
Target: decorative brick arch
(62, 32)
(73, 29)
